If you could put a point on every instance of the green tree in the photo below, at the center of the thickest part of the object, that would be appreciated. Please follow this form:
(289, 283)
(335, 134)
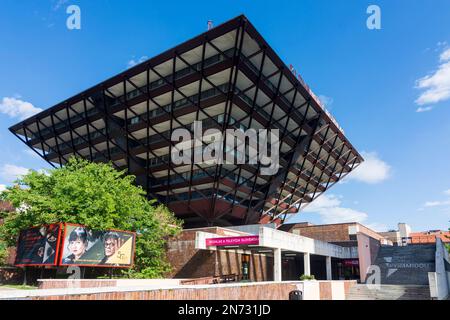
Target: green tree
(100, 197)
(3, 252)
(3, 245)
(447, 245)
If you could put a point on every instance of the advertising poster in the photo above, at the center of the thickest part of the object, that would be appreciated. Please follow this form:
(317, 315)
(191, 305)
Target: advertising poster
(38, 246)
(92, 248)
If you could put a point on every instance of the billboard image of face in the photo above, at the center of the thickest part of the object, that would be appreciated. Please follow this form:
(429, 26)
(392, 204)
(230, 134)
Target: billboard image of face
(86, 247)
(38, 246)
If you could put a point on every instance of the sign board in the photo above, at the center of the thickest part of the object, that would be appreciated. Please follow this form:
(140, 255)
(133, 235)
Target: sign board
(351, 263)
(92, 248)
(38, 246)
(232, 241)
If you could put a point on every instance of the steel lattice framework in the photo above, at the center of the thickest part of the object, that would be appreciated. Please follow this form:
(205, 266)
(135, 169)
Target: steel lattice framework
(229, 78)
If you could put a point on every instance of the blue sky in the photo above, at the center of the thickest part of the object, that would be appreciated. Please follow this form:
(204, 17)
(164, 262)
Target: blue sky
(373, 81)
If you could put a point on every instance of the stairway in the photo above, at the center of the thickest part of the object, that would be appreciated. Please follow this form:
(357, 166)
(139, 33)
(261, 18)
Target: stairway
(389, 292)
(408, 265)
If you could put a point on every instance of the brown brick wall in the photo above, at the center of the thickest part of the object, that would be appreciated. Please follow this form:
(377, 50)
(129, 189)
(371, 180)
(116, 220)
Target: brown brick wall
(325, 291)
(332, 232)
(328, 233)
(268, 291)
(251, 292)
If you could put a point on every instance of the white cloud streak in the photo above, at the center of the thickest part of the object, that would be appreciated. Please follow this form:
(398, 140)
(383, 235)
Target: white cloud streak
(10, 172)
(424, 109)
(436, 85)
(445, 56)
(330, 210)
(436, 204)
(133, 62)
(17, 108)
(431, 204)
(373, 170)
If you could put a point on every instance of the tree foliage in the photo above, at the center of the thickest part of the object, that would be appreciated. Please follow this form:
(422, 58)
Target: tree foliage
(98, 196)
(3, 252)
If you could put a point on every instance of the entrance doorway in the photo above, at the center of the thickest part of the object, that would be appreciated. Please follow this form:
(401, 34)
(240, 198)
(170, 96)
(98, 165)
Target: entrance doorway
(245, 263)
(348, 269)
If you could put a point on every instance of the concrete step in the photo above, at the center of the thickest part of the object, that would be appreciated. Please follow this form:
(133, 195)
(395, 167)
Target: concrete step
(389, 292)
(392, 288)
(392, 298)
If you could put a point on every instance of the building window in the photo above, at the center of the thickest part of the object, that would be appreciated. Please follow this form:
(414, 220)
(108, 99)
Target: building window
(134, 120)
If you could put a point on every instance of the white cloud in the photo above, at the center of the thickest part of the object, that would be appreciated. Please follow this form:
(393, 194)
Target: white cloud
(436, 84)
(338, 215)
(424, 109)
(323, 202)
(436, 204)
(2, 188)
(17, 108)
(330, 210)
(10, 172)
(445, 56)
(133, 62)
(372, 170)
(430, 204)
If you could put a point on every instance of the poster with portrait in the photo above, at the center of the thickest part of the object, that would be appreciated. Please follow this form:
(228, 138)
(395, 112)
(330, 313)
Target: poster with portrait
(38, 246)
(82, 246)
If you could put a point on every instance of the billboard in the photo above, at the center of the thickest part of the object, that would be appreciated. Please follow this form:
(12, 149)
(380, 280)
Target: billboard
(38, 246)
(82, 246)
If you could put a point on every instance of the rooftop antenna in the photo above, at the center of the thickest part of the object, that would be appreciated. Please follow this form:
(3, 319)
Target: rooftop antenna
(210, 25)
